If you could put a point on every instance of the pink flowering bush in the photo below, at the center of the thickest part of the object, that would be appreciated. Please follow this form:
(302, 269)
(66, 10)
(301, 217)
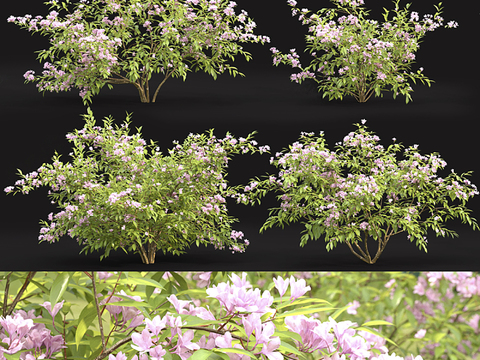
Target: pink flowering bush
(362, 191)
(230, 319)
(357, 56)
(109, 42)
(118, 192)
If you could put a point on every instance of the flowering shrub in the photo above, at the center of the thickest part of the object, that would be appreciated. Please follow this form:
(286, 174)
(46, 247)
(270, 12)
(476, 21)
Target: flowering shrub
(171, 318)
(362, 191)
(120, 193)
(357, 56)
(107, 42)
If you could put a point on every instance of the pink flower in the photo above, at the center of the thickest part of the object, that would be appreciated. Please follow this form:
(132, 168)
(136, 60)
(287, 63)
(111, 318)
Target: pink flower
(157, 352)
(381, 76)
(297, 288)
(119, 356)
(142, 342)
(203, 278)
(155, 325)
(56, 308)
(420, 334)
(352, 310)
(281, 285)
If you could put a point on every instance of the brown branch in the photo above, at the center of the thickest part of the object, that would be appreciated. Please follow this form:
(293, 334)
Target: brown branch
(163, 81)
(111, 294)
(5, 295)
(98, 311)
(30, 275)
(354, 253)
(107, 352)
(220, 332)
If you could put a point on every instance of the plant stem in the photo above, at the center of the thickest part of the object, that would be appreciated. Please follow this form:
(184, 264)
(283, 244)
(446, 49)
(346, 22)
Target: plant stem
(29, 277)
(163, 81)
(5, 295)
(107, 352)
(98, 311)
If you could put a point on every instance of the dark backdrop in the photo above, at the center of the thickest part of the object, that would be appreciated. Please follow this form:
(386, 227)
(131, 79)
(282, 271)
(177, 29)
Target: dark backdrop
(441, 119)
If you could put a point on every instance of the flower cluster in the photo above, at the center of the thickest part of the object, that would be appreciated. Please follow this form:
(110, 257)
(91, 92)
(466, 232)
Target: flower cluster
(248, 326)
(357, 56)
(123, 314)
(20, 333)
(120, 193)
(362, 190)
(112, 42)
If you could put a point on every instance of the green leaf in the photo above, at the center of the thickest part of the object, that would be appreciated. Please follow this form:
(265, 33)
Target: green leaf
(59, 286)
(303, 311)
(439, 336)
(88, 314)
(376, 322)
(455, 332)
(236, 351)
(339, 311)
(203, 354)
(291, 349)
(375, 332)
(180, 280)
(300, 301)
(288, 335)
(143, 281)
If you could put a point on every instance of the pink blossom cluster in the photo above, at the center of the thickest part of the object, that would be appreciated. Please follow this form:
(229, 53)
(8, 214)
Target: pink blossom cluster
(19, 332)
(123, 314)
(252, 311)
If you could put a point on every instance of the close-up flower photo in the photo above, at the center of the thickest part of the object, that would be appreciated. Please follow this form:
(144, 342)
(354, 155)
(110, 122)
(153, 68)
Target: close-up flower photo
(228, 315)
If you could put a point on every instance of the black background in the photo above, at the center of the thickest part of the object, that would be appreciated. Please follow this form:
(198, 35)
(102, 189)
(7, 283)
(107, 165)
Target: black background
(442, 118)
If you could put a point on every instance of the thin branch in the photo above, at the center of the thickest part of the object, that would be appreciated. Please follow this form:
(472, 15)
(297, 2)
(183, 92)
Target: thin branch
(98, 311)
(30, 275)
(5, 295)
(159, 86)
(354, 253)
(219, 331)
(113, 291)
(107, 352)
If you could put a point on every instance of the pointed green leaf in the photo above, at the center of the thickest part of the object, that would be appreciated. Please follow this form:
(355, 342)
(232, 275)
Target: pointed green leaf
(303, 311)
(376, 322)
(59, 286)
(236, 351)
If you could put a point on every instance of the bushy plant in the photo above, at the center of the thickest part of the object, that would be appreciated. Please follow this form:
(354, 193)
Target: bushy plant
(362, 191)
(357, 56)
(118, 192)
(109, 42)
